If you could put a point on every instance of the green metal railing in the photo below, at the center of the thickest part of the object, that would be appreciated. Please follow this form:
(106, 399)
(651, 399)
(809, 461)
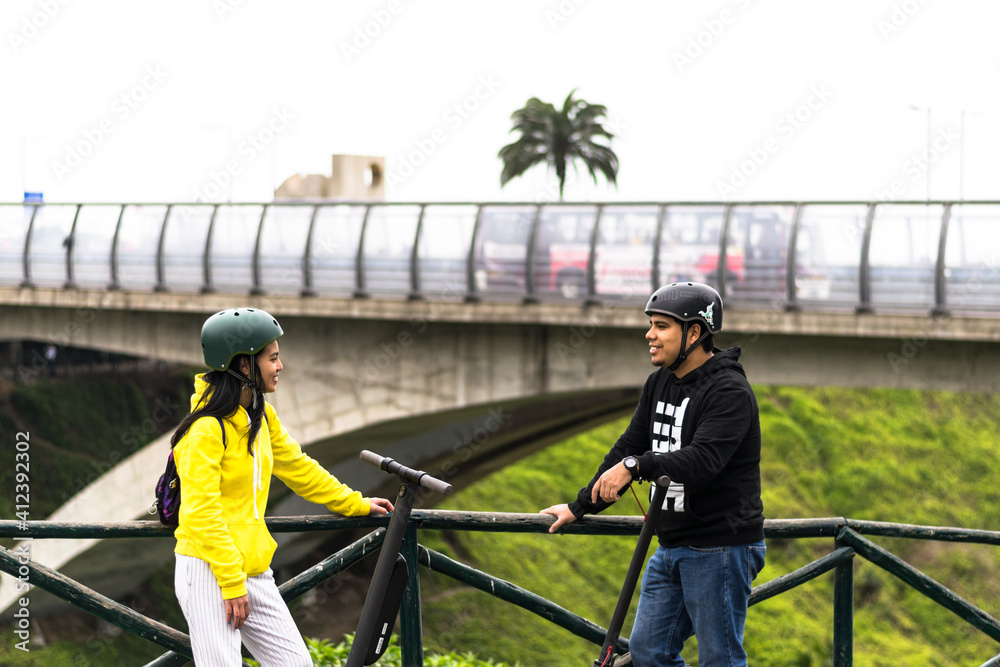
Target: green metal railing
(848, 536)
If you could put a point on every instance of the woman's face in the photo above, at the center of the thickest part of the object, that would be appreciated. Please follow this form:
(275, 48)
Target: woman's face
(270, 366)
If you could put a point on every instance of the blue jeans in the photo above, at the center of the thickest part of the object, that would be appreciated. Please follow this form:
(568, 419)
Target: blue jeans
(695, 590)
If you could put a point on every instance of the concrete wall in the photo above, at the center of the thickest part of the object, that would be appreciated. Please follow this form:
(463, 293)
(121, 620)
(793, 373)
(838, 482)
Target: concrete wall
(373, 359)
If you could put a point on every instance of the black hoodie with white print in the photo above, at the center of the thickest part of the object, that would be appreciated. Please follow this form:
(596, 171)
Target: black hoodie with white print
(703, 431)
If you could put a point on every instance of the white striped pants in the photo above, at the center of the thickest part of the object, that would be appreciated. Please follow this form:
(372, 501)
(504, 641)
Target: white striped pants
(269, 631)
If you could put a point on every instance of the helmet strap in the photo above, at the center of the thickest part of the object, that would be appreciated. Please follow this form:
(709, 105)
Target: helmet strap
(685, 352)
(253, 382)
(250, 383)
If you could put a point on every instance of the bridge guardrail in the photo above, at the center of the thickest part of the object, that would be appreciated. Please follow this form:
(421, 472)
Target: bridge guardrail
(937, 256)
(848, 535)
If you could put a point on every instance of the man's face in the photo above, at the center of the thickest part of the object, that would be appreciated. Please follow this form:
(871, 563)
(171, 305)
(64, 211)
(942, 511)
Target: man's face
(664, 338)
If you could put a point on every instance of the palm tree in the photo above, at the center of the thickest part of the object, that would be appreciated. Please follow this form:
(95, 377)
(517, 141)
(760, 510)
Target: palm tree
(557, 137)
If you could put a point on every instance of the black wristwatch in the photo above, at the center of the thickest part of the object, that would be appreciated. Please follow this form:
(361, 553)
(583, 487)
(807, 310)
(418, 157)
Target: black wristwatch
(632, 465)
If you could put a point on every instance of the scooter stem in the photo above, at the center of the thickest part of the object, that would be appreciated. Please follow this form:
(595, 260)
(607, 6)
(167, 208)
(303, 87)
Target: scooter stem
(632, 576)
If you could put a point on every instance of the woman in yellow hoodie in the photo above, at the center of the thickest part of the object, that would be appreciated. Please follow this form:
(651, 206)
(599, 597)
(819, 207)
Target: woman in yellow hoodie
(226, 451)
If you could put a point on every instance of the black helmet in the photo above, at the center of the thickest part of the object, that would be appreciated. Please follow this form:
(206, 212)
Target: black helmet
(688, 302)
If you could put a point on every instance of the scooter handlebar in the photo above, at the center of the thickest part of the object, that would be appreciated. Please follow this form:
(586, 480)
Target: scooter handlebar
(416, 476)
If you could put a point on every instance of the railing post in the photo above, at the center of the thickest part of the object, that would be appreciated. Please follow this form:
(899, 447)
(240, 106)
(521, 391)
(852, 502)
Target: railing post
(161, 267)
(416, 288)
(206, 259)
(26, 258)
(720, 270)
(360, 288)
(471, 289)
(864, 269)
(791, 293)
(307, 258)
(591, 286)
(530, 289)
(656, 280)
(940, 308)
(843, 613)
(257, 288)
(411, 629)
(69, 243)
(115, 281)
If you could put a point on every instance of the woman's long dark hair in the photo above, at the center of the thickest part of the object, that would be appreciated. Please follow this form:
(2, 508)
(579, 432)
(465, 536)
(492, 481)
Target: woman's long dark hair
(223, 397)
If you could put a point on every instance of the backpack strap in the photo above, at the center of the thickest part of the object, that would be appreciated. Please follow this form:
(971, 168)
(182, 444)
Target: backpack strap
(223, 427)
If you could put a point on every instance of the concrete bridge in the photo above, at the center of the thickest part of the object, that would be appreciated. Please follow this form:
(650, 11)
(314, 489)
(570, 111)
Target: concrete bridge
(460, 369)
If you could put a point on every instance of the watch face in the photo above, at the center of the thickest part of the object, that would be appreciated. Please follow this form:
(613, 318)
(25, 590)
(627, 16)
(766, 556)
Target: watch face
(630, 462)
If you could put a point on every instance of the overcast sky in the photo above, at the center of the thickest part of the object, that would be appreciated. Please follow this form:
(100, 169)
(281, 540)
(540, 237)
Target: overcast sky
(119, 100)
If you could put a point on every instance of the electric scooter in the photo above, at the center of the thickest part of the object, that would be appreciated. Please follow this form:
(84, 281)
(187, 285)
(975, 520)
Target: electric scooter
(608, 657)
(385, 593)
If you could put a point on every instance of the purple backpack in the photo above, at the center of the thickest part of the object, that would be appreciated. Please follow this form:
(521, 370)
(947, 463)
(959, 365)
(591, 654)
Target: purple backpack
(168, 494)
(168, 489)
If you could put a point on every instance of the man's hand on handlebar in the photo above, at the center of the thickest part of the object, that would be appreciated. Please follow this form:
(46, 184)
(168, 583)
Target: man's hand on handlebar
(611, 483)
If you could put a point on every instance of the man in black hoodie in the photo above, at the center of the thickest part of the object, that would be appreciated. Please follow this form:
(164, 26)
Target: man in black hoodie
(697, 423)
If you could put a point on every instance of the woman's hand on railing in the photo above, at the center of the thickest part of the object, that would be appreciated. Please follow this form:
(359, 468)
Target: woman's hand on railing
(562, 514)
(379, 507)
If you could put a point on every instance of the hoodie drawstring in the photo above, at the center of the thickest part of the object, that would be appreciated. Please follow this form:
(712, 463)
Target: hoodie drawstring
(257, 474)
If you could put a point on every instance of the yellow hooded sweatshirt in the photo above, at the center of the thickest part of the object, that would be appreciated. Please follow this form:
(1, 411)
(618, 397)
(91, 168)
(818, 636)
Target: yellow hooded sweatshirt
(224, 491)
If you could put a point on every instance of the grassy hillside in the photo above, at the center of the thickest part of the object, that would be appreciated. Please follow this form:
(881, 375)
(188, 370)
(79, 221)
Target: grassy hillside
(81, 428)
(903, 456)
